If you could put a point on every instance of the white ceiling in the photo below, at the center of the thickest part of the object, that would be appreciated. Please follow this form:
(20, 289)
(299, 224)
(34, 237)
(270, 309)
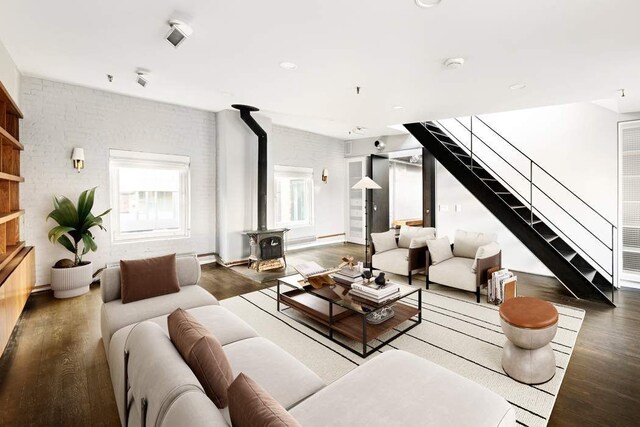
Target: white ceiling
(565, 51)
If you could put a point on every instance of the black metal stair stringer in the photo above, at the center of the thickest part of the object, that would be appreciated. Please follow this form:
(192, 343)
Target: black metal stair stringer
(493, 196)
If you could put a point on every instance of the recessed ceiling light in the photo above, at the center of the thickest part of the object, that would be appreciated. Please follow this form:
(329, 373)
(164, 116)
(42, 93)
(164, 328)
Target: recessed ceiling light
(454, 63)
(288, 65)
(517, 86)
(427, 3)
(398, 107)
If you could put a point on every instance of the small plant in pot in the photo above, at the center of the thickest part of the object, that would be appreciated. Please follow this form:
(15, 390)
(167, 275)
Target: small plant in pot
(70, 278)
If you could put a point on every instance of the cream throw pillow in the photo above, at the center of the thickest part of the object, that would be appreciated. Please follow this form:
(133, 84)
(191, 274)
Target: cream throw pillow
(418, 242)
(439, 250)
(408, 233)
(384, 241)
(466, 243)
(485, 251)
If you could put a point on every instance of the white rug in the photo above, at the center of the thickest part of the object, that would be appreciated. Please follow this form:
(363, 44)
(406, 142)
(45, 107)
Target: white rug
(455, 333)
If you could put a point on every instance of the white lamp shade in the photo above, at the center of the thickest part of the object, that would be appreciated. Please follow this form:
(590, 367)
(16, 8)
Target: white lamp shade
(325, 172)
(366, 183)
(78, 154)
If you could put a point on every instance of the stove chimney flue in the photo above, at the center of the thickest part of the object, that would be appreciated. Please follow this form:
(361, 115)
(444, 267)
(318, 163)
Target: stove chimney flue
(245, 115)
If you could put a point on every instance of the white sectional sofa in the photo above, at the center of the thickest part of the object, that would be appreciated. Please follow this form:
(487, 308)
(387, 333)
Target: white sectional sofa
(395, 388)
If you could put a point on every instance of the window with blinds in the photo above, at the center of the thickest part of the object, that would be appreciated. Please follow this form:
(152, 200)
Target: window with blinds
(630, 197)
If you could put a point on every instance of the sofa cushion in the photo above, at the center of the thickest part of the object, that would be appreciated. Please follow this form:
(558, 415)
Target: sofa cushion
(250, 405)
(193, 408)
(278, 372)
(147, 278)
(383, 242)
(407, 233)
(485, 251)
(116, 315)
(466, 243)
(156, 371)
(203, 353)
(455, 272)
(227, 326)
(187, 267)
(394, 261)
(414, 392)
(439, 250)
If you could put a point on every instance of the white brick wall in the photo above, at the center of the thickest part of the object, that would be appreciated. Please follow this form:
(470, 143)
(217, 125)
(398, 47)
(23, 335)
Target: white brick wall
(294, 147)
(59, 117)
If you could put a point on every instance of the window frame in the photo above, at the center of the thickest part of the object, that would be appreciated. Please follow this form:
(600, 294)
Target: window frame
(123, 158)
(291, 172)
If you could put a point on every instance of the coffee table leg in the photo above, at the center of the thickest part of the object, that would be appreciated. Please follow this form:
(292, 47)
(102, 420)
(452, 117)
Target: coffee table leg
(330, 320)
(420, 307)
(278, 295)
(364, 335)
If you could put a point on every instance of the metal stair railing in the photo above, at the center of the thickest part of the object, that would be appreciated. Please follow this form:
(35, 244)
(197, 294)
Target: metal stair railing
(533, 165)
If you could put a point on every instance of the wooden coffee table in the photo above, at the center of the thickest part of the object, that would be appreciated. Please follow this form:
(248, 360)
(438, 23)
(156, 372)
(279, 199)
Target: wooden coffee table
(345, 316)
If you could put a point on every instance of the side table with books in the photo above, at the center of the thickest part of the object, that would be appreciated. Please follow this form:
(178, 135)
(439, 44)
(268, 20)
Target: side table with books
(351, 312)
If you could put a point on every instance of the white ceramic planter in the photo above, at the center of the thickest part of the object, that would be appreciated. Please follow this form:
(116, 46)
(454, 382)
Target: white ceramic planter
(71, 282)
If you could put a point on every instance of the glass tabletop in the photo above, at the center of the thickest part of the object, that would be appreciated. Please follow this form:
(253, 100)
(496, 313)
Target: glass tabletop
(340, 294)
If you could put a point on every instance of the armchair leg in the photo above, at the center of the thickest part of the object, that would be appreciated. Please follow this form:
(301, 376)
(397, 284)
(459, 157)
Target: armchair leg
(427, 281)
(478, 294)
(409, 277)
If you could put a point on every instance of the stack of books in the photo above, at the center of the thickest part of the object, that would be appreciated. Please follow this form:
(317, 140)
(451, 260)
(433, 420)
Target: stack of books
(374, 293)
(348, 276)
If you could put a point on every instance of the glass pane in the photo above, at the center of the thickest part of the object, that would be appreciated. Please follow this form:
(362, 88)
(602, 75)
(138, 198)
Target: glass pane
(149, 199)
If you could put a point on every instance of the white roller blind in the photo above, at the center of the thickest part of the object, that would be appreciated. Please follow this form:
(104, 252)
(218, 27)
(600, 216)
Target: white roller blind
(630, 195)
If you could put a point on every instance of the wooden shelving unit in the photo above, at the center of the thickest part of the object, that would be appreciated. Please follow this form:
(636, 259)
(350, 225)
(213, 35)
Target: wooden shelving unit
(17, 262)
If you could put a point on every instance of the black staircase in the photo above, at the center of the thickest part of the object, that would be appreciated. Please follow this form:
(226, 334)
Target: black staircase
(525, 200)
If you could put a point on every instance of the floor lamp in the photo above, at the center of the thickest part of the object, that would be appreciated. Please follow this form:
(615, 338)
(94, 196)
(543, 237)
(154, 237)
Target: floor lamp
(366, 184)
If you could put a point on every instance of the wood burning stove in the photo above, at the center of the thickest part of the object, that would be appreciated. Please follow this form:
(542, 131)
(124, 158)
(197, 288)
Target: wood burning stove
(266, 245)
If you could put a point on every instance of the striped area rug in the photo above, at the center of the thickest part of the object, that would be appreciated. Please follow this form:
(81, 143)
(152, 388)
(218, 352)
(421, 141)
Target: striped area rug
(455, 333)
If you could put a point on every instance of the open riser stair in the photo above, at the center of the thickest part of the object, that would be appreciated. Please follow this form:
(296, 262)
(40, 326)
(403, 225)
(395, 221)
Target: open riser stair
(579, 271)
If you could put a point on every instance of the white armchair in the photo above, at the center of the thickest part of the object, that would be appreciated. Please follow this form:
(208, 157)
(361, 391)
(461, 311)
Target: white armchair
(404, 255)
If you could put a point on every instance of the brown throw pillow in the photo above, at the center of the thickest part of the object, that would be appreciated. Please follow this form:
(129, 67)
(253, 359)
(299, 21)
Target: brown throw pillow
(250, 405)
(147, 278)
(203, 353)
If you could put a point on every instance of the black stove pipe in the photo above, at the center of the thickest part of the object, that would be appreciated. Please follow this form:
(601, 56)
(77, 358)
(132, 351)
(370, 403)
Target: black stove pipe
(245, 115)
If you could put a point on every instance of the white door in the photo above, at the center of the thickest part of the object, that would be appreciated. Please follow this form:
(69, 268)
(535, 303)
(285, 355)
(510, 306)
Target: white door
(356, 169)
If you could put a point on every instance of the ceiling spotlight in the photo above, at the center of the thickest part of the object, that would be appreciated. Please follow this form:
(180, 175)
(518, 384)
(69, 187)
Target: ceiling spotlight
(178, 33)
(517, 86)
(288, 65)
(622, 95)
(143, 78)
(398, 107)
(110, 78)
(358, 130)
(427, 3)
(454, 63)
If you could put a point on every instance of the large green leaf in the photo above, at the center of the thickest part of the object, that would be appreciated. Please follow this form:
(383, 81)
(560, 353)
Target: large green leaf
(89, 244)
(56, 232)
(64, 241)
(65, 212)
(85, 203)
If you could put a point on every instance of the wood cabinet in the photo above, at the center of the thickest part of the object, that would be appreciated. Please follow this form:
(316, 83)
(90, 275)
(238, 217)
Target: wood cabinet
(16, 261)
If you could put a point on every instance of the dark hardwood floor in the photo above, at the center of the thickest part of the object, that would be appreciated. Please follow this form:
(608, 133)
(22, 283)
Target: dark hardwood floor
(54, 371)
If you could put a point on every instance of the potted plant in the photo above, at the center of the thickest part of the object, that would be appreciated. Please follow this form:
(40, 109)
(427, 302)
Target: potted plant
(70, 278)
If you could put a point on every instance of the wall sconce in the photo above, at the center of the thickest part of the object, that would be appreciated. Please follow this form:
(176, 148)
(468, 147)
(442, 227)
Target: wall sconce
(78, 158)
(325, 175)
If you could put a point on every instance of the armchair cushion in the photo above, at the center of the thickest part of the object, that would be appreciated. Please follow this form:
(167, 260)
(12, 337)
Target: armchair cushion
(466, 243)
(418, 242)
(439, 250)
(385, 241)
(454, 272)
(395, 261)
(408, 233)
(485, 251)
